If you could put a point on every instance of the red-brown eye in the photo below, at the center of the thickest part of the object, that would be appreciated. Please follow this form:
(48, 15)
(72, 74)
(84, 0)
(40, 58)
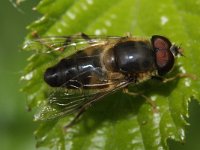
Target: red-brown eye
(163, 55)
(161, 43)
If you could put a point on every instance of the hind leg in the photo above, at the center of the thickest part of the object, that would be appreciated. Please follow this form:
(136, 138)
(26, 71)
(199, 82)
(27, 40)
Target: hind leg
(77, 117)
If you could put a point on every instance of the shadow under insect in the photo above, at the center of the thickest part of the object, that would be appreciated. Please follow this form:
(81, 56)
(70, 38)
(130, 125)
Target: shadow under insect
(120, 106)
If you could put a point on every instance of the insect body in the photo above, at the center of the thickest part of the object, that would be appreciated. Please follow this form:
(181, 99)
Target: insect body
(105, 66)
(121, 60)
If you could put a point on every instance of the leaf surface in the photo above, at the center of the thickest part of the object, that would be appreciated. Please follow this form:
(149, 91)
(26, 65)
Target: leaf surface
(119, 121)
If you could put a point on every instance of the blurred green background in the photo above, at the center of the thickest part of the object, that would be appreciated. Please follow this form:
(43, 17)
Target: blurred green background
(16, 126)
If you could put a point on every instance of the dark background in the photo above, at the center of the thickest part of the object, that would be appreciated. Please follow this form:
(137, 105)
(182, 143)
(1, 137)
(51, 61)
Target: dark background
(16, 125)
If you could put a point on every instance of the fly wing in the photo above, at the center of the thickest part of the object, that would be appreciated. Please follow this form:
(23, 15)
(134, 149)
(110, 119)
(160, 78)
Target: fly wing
(64, 102)
(59, 43)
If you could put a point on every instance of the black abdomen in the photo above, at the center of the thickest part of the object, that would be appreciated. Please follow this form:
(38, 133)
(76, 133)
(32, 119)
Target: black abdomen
(74, 71)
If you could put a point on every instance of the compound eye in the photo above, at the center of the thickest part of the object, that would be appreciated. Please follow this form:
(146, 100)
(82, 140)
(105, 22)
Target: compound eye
(160, 42)
(164, 61)
(163, 55)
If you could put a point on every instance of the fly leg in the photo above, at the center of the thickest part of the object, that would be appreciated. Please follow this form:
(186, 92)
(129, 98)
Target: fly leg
(82, 110)
(148, 100)
(84, 36)
(98, 74)
(93, 100)
(70, 39)
(179, 75)
(78, 116)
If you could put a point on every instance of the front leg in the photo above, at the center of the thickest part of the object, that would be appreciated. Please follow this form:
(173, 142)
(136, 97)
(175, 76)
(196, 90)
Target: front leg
(77, 116)
(179, 75)
(148, 100)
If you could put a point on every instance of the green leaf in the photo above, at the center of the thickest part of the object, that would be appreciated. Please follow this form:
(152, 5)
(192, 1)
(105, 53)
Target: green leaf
(118, 121)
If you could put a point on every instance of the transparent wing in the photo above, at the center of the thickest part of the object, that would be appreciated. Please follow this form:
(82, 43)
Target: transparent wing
(60, 43)
(65, 102)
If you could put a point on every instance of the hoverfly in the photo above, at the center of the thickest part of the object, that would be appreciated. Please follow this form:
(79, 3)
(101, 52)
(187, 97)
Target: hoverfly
(102, 66)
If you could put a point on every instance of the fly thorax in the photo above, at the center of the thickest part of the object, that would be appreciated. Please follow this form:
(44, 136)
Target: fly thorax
(134, 57)
(109, 61)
